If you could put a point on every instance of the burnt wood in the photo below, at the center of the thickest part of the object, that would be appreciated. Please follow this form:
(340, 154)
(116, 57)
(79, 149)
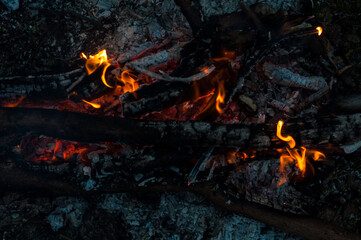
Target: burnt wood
(338, 134)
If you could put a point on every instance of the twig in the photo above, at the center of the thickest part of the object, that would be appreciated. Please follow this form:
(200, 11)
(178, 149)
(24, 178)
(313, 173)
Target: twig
(285, 77)
(200, 165)
(31, 77)
(165, 77)
(74, 84)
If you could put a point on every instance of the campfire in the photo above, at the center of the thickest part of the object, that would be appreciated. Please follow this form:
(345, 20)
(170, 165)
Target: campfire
(201, 112)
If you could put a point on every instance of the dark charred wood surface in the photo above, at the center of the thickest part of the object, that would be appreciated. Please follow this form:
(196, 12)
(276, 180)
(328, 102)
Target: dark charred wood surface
(327, 133)
(41, 85)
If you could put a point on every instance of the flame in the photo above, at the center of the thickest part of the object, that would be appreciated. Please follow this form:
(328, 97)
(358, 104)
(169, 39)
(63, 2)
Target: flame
(82, 55)
(57, 147)
(128, 79)
(94, 62)
(319, 30)
(291, 142)
(94, 105)
(15, 104)
(301, 156)
(220, 97)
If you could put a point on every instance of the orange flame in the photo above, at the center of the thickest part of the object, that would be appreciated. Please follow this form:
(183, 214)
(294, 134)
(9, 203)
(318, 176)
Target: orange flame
(15, 104)
(319, 30)
(300, 156)
(94, 62)
(128, 79)
(220, 97)
(94, 105)
(291, 142)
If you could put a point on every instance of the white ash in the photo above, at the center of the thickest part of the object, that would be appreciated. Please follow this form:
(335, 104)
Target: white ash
(156, 32)
(184, 216)
(106, 4)
(11, 4)
(216, 7)
(69, 211)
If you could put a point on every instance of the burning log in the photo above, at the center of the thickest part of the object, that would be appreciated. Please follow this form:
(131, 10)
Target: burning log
(330, 134)
(163, 94)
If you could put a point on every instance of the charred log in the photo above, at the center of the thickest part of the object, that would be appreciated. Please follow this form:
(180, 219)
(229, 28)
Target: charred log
(340, 133)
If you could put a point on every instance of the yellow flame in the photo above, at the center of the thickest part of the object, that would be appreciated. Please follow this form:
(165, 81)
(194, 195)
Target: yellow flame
(291, 142)
(94, 62)
(301, 156)
(128, 79)
(220, 97)
(82, 55)
(94, 105)
(319, 30)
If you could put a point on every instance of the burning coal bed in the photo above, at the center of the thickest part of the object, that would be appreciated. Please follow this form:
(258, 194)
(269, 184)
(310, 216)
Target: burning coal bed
(194, 115)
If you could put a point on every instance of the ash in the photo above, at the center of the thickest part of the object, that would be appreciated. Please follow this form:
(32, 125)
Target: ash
(183, 216)
(126, 216)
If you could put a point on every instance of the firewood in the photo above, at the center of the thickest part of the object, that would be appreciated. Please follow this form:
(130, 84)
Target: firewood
(328, 134)
(163, 94)
(40, 85)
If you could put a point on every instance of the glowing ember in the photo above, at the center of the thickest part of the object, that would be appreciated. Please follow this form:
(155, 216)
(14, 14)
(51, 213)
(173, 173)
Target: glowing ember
(319, 30)
(15, 104)
(300, 156)
(94, 105)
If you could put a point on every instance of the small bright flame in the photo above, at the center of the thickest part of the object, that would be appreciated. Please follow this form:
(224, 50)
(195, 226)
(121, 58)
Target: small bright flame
(94, 105)
(220, 98)
(82, 55)
(128, 79)
(319, 30)
(291, 142)
(94, 62)
(300, 156)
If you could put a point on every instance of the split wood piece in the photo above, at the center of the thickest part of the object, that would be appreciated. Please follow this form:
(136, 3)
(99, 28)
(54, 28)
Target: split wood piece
(328, 134)
(16, 86)
(283, 76)
(14, 179)
(262, 52)
(192, 15)
(165, 77)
